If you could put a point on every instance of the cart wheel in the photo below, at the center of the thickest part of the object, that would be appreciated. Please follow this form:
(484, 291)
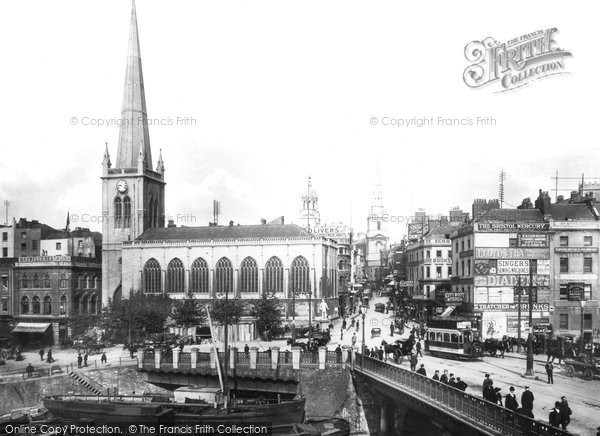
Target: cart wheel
(588, 374)
(570, 370)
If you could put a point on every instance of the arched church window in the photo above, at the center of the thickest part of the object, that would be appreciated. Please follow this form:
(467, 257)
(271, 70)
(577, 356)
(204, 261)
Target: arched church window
(273, 275)
(300, 275)
(223, 276)
(152, 279)
(126, 213)
(199, 276)
(249, 275)
(118, 213)
(175, 276)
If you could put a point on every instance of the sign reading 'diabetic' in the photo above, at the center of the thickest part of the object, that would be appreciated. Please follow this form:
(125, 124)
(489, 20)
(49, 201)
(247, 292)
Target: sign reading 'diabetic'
(515, 63)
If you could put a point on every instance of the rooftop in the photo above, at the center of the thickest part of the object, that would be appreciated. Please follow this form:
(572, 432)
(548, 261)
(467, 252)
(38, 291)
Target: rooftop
(224, 232)
(511, 215)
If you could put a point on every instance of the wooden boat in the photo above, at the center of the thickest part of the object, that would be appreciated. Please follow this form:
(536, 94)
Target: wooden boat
(314, 427)
(102, 409)
(158, 410)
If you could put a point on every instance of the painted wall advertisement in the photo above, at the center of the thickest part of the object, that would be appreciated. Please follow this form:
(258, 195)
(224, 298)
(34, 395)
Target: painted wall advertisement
(493, 325)
(512, 227)
(533, 240)
(512, 253)
(512, 266)
(511, 280)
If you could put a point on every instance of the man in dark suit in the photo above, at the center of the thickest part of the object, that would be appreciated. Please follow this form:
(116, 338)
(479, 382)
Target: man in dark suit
(527, 399)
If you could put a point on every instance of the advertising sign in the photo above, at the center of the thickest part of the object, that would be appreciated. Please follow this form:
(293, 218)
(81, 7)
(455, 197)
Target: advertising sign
(508, 307)
(575, 291)
(543, 267)
(494, 325)
(532, 240)
(511, 280)
(482, 267)
(512, 253)
(454, 298)
(480, 295)
(543, 295)
(515, 266)
(512, 227)
(417, 230)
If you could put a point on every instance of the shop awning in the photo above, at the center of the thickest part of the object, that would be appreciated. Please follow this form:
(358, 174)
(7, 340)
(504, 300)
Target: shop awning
(31, 327)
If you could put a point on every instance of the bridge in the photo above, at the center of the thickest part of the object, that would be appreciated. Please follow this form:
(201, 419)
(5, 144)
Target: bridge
(453, 410)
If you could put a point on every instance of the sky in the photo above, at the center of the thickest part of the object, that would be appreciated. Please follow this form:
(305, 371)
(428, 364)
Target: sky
(259, 95)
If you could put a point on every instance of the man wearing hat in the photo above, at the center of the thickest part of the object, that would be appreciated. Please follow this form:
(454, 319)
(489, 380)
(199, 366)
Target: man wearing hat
(554, 417)
(510, 401)
(565, 413)
(436, 376)
(498, 397)
(422, 371)
(452, 381)
(527, 399)
(460, 384)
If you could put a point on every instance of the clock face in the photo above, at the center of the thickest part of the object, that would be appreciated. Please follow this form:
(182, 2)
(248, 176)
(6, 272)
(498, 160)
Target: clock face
(122, 186)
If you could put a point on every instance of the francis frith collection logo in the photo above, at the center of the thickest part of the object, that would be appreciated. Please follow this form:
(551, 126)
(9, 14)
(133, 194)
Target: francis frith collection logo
(515, 63)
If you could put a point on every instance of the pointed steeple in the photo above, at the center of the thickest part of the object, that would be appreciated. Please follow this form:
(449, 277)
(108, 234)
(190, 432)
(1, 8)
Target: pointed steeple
(141, 161)
(160, 167)
(133, 135)
(106, 160)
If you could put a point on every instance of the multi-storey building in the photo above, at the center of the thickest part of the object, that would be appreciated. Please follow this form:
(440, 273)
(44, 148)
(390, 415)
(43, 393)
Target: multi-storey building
(495, 257)
(23, 237)
(50, 291)
(575, 263)
(429, 263)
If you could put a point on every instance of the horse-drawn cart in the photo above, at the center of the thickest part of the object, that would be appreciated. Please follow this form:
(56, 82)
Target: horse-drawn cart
(583, 368)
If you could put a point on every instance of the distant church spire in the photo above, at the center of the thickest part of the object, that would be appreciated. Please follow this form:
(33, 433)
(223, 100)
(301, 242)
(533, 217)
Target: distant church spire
(309, 215)
(160, 167)
(133, 134)
(106, 160)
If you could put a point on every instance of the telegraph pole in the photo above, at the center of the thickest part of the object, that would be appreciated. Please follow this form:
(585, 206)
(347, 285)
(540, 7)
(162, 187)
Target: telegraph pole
(519, 314)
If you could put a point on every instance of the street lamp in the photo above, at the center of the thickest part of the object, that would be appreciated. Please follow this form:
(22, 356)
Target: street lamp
(581, 348)
(363, 311)
(529, 370)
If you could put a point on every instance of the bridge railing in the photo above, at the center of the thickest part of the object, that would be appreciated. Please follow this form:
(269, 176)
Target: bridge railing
(485, 413)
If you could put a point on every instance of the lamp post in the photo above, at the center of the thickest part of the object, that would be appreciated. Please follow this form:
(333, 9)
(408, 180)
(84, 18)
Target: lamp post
(529, 370)
(581, 347)
(363, 311)
(519, 291)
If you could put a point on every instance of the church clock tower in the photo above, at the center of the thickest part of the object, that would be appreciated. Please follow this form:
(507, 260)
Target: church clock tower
(133, 194)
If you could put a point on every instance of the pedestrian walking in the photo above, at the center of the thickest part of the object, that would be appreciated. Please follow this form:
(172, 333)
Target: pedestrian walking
(103, 358)
(452, 381)
(413, 362)
(554, 417)
(49, 357)
(353, 339)
(498, 396)
(444, 377)
(338, 353)
(419, 348)
(344, 324)
(436, 375)
(85, 358)
(42, 352)
(527, 399)
(357, 325)
(549, 372)
(380, 353)
(79, 360)
(565, 413)
(342, 335)
(246, 349)
(460, 384)
(422, 370)
(352, 323)
(510, 401)
(29, 370)
(487, 383)
(392, 329)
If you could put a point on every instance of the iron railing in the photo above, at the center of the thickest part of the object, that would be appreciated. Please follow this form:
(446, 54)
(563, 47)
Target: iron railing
(263, 358)
(483, 414)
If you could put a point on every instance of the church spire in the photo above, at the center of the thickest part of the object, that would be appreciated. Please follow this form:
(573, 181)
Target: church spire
(106, 160)
(133, 135)
(160, 167)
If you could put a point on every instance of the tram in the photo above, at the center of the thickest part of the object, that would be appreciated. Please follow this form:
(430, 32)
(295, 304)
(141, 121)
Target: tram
(453, 338)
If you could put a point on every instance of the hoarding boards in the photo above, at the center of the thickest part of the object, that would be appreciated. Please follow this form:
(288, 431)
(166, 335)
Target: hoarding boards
(506, 307)
(480, 295)
(512, 266)
(533, 240)
(575, 291)
(511, 280)
(454, 298)
(512, 253)
(543, 267)
(512, 227)
(493, 325)
(499, 240)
